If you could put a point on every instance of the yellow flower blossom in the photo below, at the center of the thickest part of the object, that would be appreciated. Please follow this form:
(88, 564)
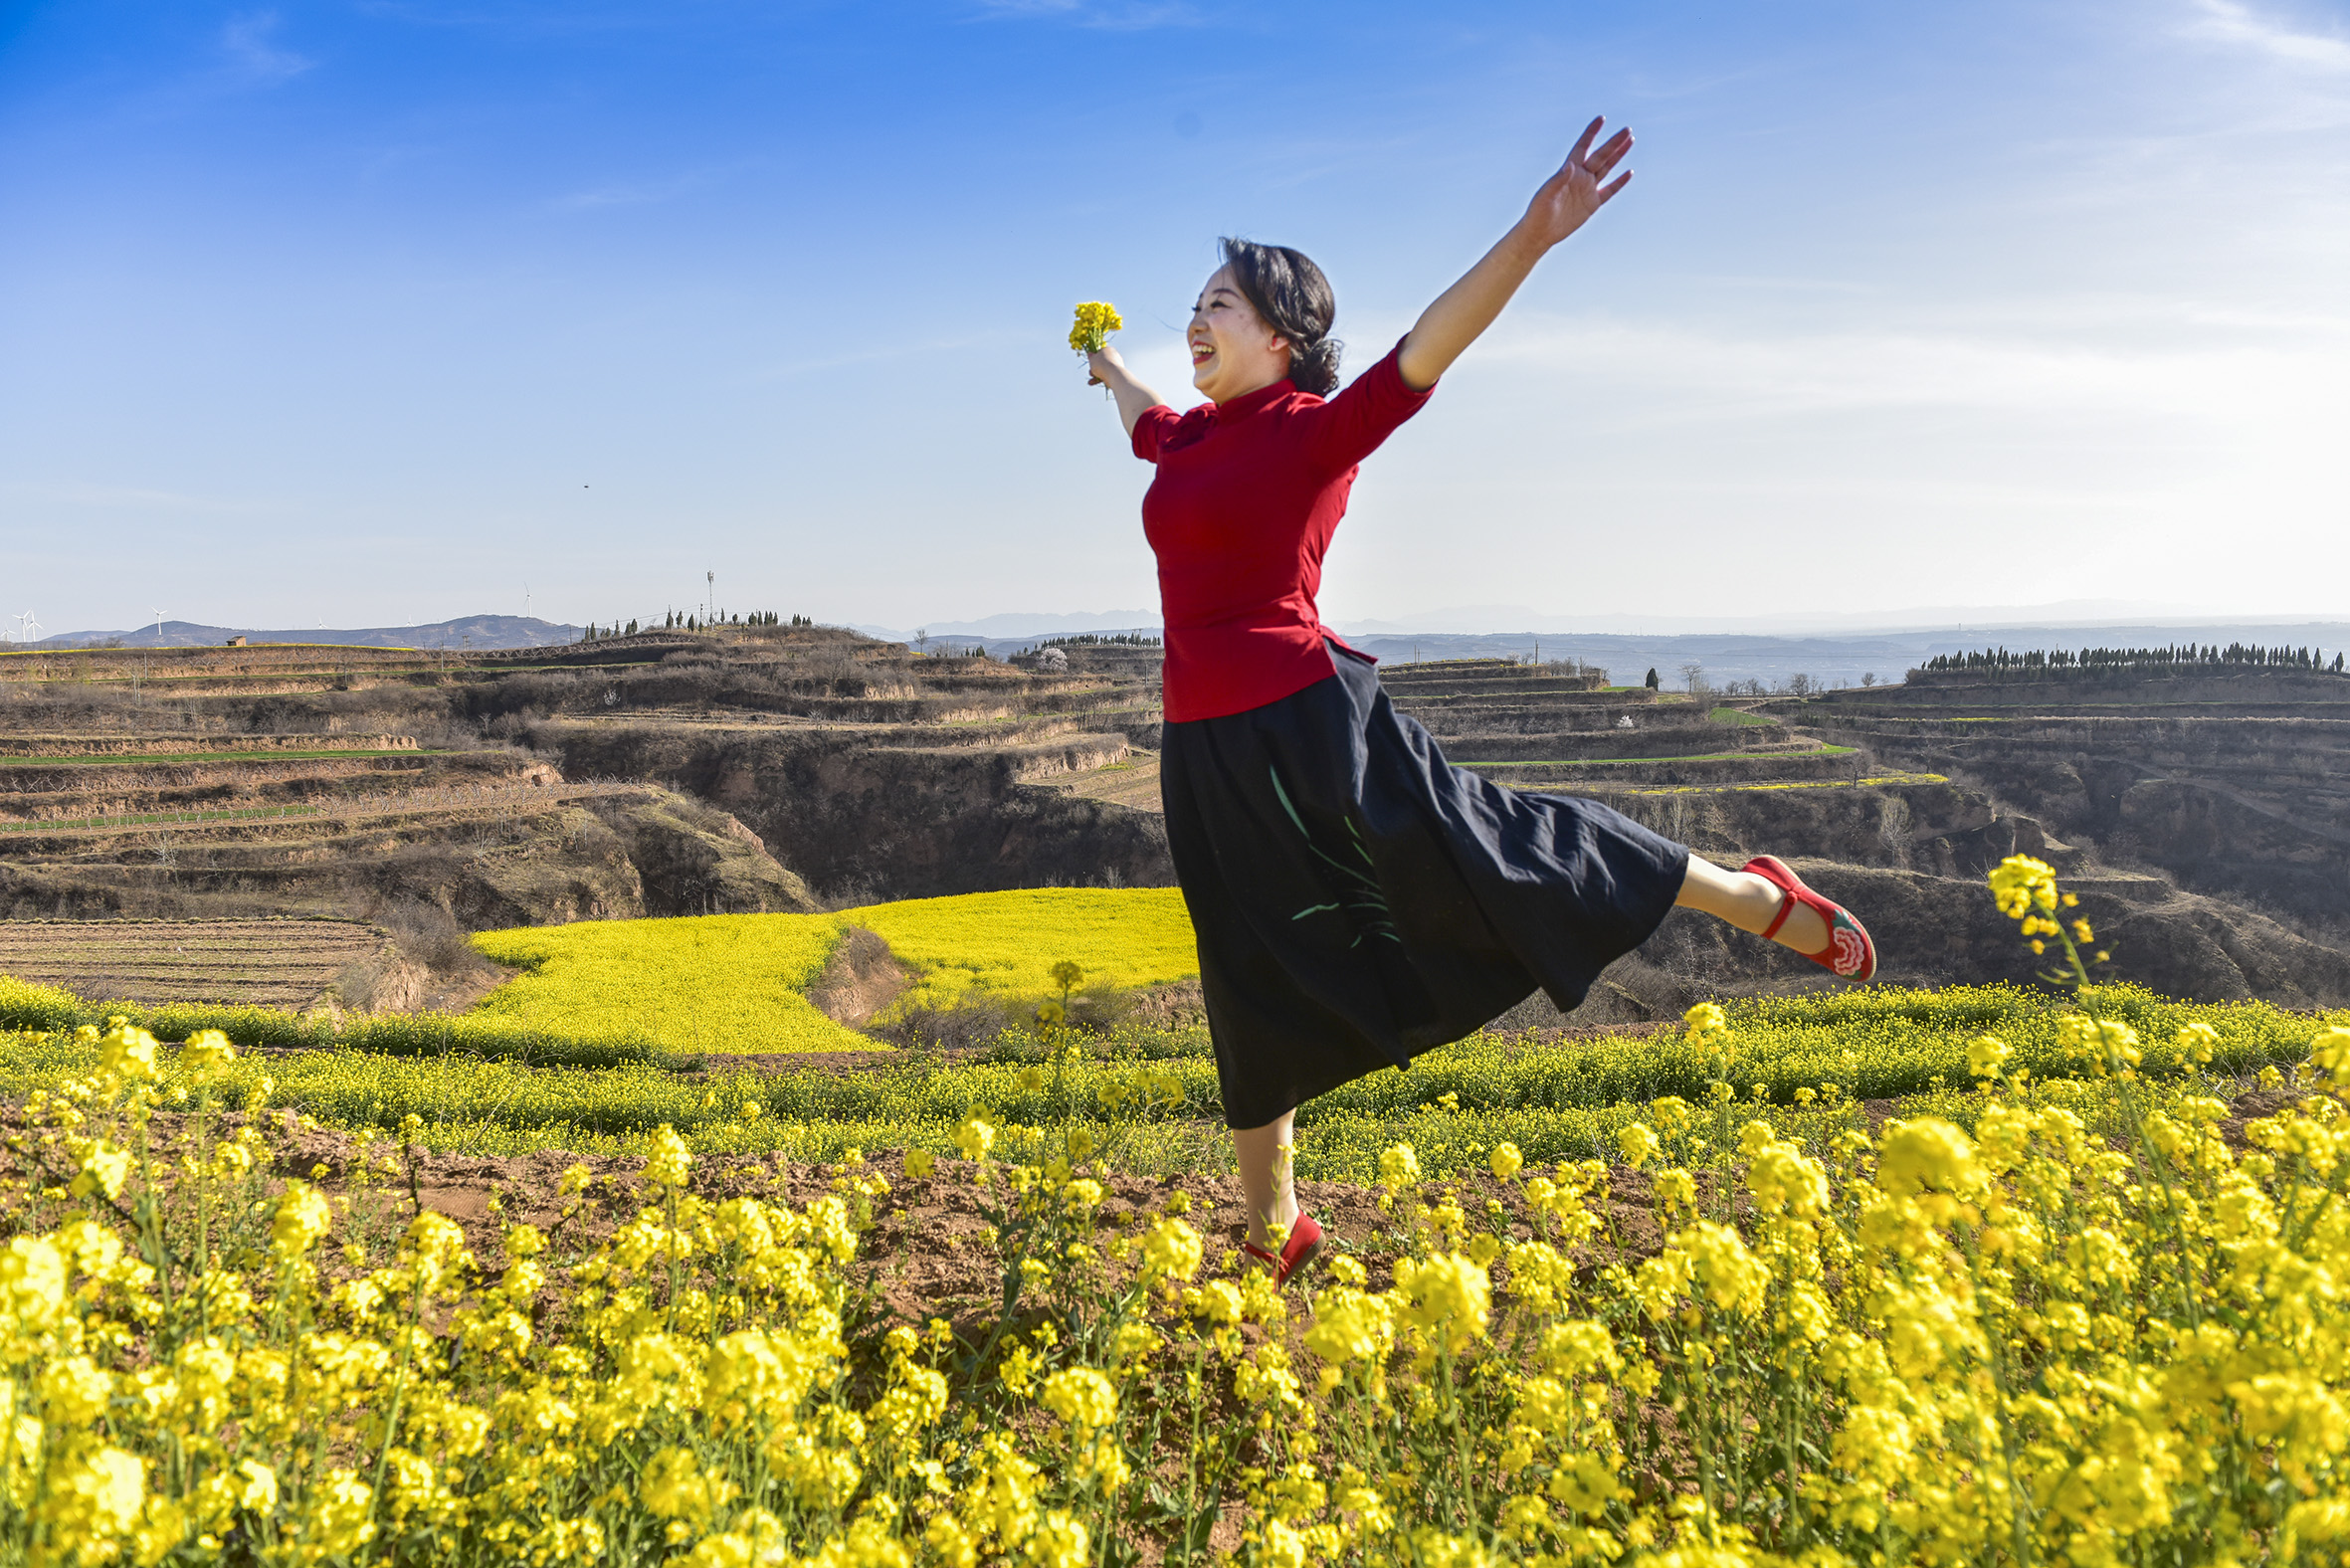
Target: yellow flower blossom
(1095, 321)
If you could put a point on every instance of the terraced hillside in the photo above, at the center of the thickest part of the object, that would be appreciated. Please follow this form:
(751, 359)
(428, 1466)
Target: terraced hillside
(1900, 832)
(776, 768)
(2236, 785)
(331, 782)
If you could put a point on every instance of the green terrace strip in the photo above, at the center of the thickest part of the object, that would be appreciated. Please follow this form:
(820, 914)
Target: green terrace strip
(1697, 756)
(1148, 1097)
(1879, 780)
(39, 1011)
(120, 760)
(159, 818)
(1739, 715)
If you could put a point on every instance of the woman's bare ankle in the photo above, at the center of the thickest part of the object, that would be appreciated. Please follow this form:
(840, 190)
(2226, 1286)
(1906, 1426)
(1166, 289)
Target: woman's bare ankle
(1803, 931)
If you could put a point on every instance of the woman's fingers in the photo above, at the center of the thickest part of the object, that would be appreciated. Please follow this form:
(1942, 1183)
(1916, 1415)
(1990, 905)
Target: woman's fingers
(1583, 143)
(1613, 186)
(1610, 155)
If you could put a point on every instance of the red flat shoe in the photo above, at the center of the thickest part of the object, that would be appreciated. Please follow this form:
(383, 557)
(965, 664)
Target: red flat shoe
(1304, 1246)
(1850, 954)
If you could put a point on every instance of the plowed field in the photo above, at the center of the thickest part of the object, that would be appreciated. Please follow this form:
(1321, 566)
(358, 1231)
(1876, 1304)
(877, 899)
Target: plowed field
(262, 963)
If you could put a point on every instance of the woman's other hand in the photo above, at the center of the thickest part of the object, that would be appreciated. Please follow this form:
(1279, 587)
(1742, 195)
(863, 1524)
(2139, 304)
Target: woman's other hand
(1580, 188)
(1564, 203)
(1102, 359)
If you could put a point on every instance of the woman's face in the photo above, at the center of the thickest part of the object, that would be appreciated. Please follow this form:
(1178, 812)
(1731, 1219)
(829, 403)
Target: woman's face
(1233, 352)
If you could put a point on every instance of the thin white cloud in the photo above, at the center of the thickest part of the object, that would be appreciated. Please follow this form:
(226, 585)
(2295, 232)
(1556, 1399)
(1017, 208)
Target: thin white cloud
(1683, 374)
(247, 41)
(115, 498)
(614, 196)
(639, 193)
(2229, 21)
(1125, 16)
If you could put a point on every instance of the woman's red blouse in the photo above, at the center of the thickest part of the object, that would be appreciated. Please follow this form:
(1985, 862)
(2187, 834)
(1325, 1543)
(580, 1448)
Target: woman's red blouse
(1247, 496)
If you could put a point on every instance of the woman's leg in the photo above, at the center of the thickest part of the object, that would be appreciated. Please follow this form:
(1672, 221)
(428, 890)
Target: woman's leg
(1265, 1155)
(1750, 903)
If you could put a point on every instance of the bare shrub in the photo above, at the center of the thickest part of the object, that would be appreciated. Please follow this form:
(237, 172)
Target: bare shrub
(968, 1024)
(430, 935)
(861, 978)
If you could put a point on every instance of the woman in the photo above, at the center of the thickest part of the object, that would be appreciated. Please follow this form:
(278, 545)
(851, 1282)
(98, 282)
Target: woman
(1357, 900)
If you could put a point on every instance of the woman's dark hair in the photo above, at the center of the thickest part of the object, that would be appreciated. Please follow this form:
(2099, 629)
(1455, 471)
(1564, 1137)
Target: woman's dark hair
(1295, 298)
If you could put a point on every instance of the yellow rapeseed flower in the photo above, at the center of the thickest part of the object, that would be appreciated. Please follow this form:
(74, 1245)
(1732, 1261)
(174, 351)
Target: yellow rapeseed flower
(1082, 1396)
(1926, 1155)
(206, 1048)
(2021, 884)
(667, 1159)
(1987, 1056)
(303, 1216)
(1097, 319)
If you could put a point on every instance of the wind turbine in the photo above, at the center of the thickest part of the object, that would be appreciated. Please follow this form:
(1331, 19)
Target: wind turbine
(158, 622)
(30, 626)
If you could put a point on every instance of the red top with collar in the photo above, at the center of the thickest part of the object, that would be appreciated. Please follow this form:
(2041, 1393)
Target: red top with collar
(1247, 496)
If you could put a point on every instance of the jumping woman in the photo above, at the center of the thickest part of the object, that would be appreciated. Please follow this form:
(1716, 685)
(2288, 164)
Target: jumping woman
(1357, 899)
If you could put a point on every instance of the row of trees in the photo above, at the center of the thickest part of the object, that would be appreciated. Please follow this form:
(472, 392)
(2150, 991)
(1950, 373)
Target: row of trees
(2194, 658)
(681, 621)
(1695, 682)
(1098, 640)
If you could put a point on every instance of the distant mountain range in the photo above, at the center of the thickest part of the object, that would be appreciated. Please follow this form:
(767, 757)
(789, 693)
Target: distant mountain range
(1758, 650)
(1001, 628)
(1828, 658)
(1834, 661)
(472, 630)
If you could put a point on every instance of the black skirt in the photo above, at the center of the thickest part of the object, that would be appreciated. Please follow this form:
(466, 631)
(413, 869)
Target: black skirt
(1359, 901)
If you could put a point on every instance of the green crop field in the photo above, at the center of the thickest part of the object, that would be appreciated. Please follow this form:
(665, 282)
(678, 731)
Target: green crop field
(1666, 761)
(739, 982)
(1148, 1097)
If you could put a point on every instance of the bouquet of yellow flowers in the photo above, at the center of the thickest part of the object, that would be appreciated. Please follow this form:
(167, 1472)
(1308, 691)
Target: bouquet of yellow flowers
(1097, 319)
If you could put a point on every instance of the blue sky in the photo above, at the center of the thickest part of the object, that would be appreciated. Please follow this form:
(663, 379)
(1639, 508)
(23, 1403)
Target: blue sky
(374, 313)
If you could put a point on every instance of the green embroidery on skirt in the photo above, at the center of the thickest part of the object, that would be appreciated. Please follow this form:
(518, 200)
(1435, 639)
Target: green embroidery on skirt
(1358, 891)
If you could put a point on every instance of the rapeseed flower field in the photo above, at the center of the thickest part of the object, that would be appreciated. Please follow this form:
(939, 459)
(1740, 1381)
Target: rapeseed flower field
(739, 982)
(692, 982)
(2060, 1304)
(1006, 944)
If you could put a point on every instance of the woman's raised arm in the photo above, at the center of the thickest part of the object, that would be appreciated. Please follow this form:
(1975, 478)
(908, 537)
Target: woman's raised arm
(1461, 312)
(1110, 371)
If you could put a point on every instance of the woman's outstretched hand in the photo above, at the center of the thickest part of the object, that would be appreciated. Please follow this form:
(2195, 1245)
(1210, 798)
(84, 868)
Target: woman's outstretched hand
(1580, 188)
(1564, 203)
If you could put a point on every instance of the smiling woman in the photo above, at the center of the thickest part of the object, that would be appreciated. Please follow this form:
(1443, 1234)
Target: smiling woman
(1359, 902)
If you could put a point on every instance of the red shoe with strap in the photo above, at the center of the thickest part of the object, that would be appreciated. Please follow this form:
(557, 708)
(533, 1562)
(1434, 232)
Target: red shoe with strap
(1850, 954)
(1304, 1246)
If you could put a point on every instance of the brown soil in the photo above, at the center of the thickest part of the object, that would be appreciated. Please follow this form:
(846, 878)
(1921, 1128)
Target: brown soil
(922, 1258)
